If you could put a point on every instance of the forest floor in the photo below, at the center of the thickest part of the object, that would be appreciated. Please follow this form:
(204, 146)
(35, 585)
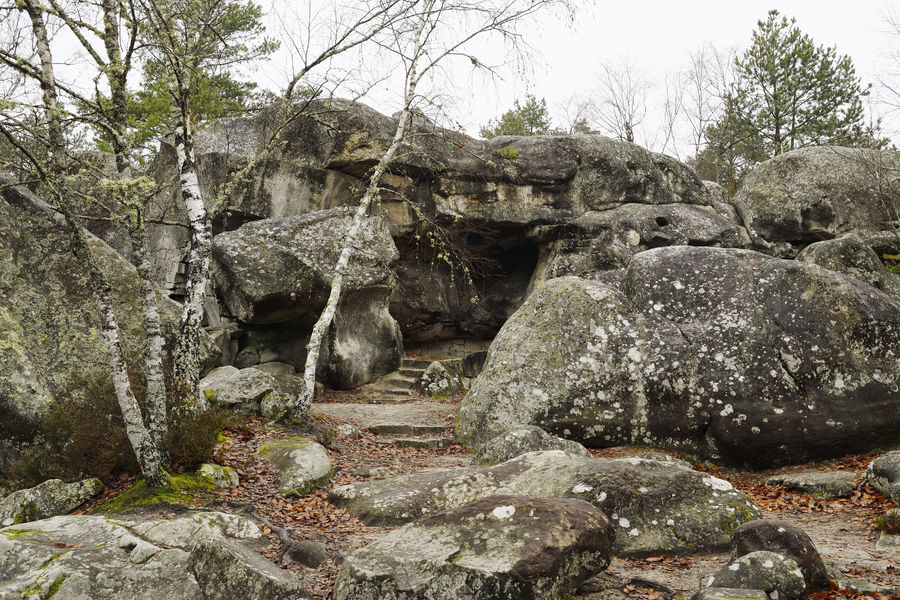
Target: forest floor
(844, 530)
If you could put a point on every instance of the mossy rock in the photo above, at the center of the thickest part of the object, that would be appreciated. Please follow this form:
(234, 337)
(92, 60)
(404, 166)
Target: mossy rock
(182, 489)
(304, 465)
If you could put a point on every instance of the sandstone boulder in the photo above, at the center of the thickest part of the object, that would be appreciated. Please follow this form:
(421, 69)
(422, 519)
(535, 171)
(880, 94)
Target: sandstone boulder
(785, 539)
(715, 350)
(815, 194)
(522, 439)
(49, 499)
(495, 548)
(762, 570)
(304, 465)
(884, 475)
(278, 271)
(49, 321)
(239, 390)
(851, 255)
(200, 556)
(654, 506)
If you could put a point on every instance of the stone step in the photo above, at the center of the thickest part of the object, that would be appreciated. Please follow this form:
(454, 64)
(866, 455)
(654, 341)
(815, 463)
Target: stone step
(413, 372)
(399, 381)
(384, 398)
(411, 442)
(415, 363)
(406, 428)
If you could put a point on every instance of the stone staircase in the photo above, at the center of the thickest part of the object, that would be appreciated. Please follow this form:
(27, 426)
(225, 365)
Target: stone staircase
(400, 385)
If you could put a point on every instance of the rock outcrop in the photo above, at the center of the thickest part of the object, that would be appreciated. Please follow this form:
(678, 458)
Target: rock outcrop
(495, 548)
(717, 350)
(655, 506)
(49, 322)
(205, 555)
(814, 194)
(278, 272)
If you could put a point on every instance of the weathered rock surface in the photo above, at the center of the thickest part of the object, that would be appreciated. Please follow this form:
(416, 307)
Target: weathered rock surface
(815, 194)
(765, 571)
(574, 204)
(826, 484)
(438, 381)
(721, 593)
(278, 271)
(522, 439)
(653, 506)
(782, 538)
(718, 351)
(49, 322)
(239, 390)
(495, 548)
(884, 475)
(851, 255)
(224, 478)
(49, 499)
(96, 558)
(304, 465)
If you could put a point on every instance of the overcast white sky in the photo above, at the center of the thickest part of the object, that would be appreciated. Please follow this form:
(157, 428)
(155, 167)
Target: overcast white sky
(658, 36)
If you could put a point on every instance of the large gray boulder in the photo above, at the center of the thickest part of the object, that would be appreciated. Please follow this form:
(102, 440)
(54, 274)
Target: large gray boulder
(304, 465)
(655, 506)
(241, 391)
(521, 439)
(195, 557)
(851, 255)
(49, 499)
(814, 194)
(785, 539)
(278, 271)
(49, 321)
(492, 549)
(719, 351)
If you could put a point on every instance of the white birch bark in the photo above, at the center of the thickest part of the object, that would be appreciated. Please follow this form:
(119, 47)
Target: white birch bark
(320, 330)
(145, 450)
(157, 422)
(187, 360)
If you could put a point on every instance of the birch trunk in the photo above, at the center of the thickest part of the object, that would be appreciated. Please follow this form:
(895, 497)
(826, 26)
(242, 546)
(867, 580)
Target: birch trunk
(157, 422)
(187, 360)
(52, 111)
(145, 450)
(320, 330)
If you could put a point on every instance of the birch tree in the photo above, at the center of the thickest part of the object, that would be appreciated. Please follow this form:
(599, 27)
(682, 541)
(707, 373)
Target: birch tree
(434, 31)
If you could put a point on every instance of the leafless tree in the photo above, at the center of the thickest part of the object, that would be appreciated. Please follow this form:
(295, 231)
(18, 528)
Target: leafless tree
(621, 99)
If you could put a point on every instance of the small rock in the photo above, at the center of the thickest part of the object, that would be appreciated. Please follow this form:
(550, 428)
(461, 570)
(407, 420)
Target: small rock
(241, 390)
(348, 430)
(369, 472)
(247, 357)
(827, 484)
(785, 539)
(304, 465)
(887, 541)
(892, 521)
(520, 439)
(438, 381)
(496, 548)
(765, 571)
(884, 475)
(224, 478)
(51, 498)
(308, 553)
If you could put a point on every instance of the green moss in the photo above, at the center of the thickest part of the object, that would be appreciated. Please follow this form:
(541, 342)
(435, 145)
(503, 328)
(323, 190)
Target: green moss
(507, 152)
(54, 587)
(14, 534)
(182, 489)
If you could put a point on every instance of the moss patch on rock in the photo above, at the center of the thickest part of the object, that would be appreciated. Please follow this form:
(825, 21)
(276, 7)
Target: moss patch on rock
(182, 489)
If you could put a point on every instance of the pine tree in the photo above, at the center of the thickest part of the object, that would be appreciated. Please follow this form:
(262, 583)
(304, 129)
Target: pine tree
(528, 118)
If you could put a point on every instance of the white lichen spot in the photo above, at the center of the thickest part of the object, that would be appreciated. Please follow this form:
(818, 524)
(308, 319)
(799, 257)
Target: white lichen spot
(678, 285)
(734, 566)
(503, 512)
(768, 564)
(726, 411)
(581, 488)
(717, 484)
(634, 532)
(623, 522)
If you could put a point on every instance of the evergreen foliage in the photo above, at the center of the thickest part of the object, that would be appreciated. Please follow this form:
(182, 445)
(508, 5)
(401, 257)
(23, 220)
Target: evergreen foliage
(530, 117)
